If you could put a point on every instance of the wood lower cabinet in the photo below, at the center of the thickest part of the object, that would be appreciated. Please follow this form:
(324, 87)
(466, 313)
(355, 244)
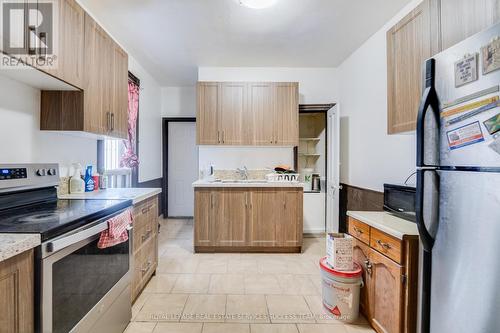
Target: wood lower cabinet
(248, 113)
(17, 294)
(390, 274)
(248, 219)
(145, 244)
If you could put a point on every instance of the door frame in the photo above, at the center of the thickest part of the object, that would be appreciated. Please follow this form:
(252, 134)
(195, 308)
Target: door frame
(317, 108)
(165, 122)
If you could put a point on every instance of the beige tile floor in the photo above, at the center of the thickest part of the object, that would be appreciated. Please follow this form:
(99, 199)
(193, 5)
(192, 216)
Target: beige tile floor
(247, 293)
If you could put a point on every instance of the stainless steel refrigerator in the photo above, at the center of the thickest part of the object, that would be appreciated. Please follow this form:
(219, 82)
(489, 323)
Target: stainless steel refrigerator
(458, 188)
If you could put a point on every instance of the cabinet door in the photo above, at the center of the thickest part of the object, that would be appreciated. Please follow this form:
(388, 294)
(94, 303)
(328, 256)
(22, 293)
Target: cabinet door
(260, 120)
(232, 110)
(230, 218)
(69, 48)
(386, 293)
(16, 294)
(360, 253)
(289, 226)
(119, 108)
(203, 216)
(95, 81)
(265, 212)
(287, 114)
(408, 45)
(463, 18)
(207, 117)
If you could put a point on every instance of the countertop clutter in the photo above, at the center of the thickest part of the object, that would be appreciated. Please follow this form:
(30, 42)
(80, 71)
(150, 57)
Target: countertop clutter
(386, 222)
(14, 244)
(135, 194)
(244, 183)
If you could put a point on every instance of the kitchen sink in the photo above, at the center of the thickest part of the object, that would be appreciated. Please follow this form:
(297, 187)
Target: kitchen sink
(243, 181)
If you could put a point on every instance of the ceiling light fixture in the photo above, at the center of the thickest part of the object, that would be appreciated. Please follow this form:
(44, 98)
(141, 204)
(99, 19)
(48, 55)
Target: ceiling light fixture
(257, 4)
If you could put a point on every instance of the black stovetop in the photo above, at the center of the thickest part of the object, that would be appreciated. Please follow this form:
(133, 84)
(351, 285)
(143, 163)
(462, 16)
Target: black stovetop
(53, 218)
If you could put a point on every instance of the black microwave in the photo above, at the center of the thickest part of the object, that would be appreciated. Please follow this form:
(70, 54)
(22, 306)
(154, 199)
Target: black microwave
(399, 200)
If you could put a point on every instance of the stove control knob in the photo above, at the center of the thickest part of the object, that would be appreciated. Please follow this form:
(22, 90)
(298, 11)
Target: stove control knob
(51, 172)
(41, 172)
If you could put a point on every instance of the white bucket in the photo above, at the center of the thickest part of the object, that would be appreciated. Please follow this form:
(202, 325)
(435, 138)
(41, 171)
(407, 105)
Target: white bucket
(341, 290)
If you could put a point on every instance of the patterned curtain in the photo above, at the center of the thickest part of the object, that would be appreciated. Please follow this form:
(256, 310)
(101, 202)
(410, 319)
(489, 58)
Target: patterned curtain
(129, 158)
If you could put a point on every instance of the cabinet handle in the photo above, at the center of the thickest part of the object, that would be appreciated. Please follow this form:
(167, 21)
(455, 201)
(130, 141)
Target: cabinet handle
(246, 201)
(147, 235)
(31, 32)
(358, 231)
(368, 267)
(146, 209)
(112, 121)
(148, 266)
(108, 120)
(386, 246)
(223, 136)
(218, 136)
(43, 39)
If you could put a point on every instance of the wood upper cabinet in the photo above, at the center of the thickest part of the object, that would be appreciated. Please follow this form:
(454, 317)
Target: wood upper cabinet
(247, 113)
(408, 46)
(102, 107)
(232, 111)
(69, 48)
(287, 105)
(119, 98)
(261, 116)
(463, 18)
(17, 294)
(207, 113)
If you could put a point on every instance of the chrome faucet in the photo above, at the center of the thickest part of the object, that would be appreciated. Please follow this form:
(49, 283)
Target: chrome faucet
(243, 172)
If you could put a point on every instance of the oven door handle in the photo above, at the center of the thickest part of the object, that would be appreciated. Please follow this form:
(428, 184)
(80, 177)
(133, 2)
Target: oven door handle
(61, 243)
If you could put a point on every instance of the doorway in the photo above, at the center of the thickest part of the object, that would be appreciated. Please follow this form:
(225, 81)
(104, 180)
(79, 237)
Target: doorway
(180, 160)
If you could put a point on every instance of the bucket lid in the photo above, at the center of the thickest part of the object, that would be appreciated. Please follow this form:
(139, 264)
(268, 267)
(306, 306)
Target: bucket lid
(356, 272)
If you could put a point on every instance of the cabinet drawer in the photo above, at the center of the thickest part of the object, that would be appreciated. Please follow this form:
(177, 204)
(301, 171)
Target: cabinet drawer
(144, 263)
(386, 244)
(359, 230)
(143, 235)
(144, 212)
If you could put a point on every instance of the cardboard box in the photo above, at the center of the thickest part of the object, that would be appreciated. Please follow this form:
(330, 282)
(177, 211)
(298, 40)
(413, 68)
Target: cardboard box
(339, 251)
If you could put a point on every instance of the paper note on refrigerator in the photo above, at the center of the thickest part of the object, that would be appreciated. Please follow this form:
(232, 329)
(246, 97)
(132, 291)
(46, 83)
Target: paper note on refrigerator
(465, 136)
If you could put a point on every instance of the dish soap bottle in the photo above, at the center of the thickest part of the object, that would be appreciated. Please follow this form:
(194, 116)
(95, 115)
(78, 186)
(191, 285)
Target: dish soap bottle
(89, 180)
(76, 183)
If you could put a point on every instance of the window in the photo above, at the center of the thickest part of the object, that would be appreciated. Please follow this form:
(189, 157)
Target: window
(113, 151)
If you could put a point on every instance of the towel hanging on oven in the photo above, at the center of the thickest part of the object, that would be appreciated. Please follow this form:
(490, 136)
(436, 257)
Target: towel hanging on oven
(117, 230)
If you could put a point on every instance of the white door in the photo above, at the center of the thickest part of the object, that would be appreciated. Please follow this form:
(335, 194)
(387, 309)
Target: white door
(182, 168)
(333, 165)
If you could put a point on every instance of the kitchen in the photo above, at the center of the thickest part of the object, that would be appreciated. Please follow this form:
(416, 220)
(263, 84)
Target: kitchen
(224, 156)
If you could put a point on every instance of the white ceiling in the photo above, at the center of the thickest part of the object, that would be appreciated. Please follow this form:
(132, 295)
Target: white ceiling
(172, 38)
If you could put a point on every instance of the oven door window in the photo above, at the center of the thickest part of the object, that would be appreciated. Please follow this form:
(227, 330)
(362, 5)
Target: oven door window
(82, 278)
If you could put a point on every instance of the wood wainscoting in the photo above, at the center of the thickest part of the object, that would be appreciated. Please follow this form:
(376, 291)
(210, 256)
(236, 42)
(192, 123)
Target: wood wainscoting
(357, 198)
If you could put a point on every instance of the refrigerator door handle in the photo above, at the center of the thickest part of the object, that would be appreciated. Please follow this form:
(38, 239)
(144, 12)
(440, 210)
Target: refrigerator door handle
(429, 100)
(425, 235)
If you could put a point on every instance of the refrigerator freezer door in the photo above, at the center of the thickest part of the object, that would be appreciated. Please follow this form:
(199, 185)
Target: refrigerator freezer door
(465, 293)
(476, 154)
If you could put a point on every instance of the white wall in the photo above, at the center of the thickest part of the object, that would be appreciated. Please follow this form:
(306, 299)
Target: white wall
(369, 156)
(316, 85)
(20, 135)
(150, 128)
(178, 101)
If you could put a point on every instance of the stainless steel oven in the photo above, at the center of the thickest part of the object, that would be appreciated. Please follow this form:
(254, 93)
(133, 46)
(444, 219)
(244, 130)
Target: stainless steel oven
(83, 288)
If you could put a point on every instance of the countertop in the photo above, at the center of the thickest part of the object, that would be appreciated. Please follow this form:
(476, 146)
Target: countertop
(135, 194)
(386, 222)
(205, 183)
(14, 244)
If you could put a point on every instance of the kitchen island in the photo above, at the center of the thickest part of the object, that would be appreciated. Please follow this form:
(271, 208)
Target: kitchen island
(248, 216)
